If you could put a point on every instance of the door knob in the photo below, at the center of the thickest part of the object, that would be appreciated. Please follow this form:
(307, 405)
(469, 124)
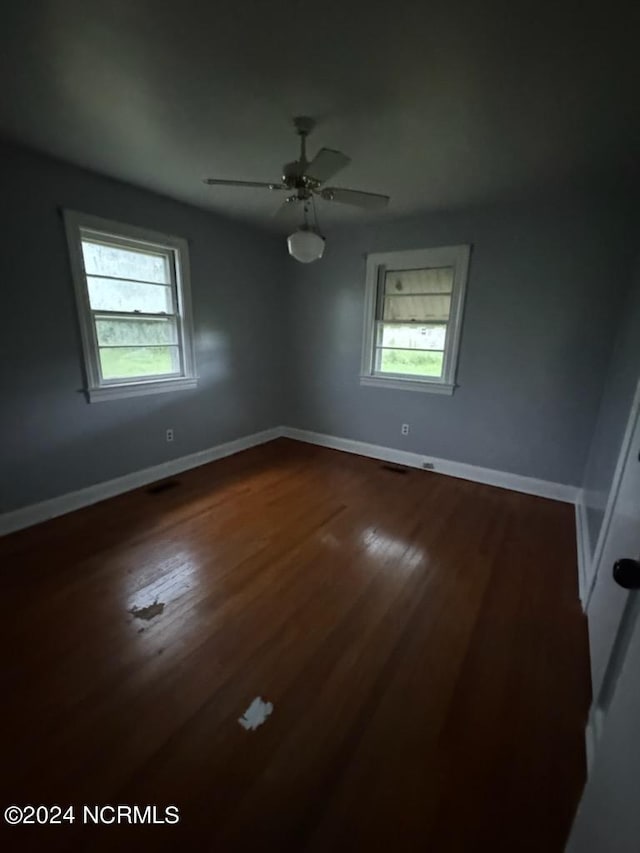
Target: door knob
(627, 573)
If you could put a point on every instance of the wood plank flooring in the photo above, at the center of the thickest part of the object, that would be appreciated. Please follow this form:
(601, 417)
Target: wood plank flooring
(419, 636)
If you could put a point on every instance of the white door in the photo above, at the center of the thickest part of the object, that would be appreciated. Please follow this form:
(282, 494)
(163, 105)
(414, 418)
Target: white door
(608, 819)
(611, 608)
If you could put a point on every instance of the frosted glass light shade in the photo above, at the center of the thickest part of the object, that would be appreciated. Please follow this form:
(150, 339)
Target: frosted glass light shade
(305, 245)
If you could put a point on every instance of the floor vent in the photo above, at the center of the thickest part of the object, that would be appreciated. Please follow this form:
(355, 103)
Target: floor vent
(397, 469)
(164, 486)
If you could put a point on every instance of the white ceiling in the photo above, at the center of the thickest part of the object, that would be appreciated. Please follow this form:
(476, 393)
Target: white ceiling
(440, 104)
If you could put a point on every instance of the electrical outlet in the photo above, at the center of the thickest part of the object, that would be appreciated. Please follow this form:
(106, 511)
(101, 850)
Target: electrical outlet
(405, 429)
(169, 435)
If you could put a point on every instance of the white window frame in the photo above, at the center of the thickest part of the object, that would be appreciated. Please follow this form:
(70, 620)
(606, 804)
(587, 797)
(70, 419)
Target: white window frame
(129, 236)
(377, 264)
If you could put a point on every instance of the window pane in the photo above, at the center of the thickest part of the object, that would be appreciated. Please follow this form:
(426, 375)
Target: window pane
(412, 337)
(434, 280)
(417, 309)
(129, 362)
(108, 295)
(410, 362)
(113, 331)
(101, 259)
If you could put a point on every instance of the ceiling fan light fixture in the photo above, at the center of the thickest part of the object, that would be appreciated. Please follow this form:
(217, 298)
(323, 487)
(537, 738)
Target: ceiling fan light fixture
(306, 245)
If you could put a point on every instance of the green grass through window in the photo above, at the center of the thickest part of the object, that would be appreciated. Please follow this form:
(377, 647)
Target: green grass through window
(415, 363)
(126, 362)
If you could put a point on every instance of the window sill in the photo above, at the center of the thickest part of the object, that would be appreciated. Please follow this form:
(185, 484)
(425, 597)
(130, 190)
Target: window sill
(408, 384)
(139, 389)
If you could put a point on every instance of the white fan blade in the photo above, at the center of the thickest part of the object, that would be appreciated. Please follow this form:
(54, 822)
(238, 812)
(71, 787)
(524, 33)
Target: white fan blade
(326, 163)
(371, 201)
(224, 183)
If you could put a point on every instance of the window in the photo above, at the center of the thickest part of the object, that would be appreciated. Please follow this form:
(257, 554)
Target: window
(413, 318)
(132, 292)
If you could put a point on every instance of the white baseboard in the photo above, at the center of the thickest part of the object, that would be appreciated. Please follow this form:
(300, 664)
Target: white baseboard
(488, 476)
(35, 513)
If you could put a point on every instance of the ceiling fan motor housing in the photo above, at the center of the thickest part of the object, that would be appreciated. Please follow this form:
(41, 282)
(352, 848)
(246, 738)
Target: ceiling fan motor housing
(291, 173)
(304, 125)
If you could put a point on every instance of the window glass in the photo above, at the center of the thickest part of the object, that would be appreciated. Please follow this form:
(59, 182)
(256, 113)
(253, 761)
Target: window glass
(413, 314)
(107, 260)
(106, 294)
(131, 362)
(132, 292)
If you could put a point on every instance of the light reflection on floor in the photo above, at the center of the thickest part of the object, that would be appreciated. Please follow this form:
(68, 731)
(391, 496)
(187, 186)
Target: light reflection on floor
(396, 553)
(182, 572)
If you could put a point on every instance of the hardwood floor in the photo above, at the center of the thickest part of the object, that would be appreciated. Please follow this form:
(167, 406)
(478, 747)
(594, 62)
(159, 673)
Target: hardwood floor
(420, 638)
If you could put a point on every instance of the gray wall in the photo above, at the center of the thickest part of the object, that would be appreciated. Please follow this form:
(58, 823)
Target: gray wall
(545, 291)
(622, 378)
(51, 440)
(279, 342)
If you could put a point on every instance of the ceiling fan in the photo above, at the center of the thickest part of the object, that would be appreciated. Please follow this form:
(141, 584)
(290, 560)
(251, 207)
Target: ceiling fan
(305, 180)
